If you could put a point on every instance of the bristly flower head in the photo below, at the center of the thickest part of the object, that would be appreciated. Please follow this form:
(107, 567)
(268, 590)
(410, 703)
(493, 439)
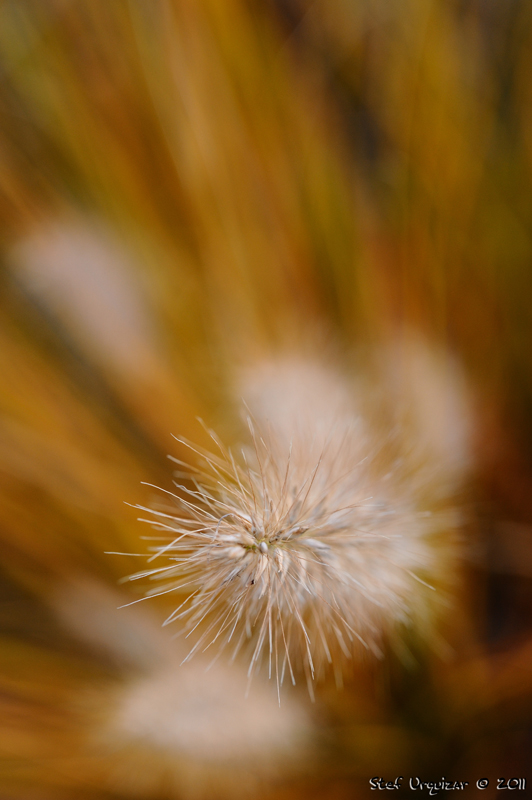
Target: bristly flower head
(308, 546)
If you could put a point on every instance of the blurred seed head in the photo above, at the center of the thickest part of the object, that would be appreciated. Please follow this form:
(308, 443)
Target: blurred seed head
(185, 730)
(80, 275)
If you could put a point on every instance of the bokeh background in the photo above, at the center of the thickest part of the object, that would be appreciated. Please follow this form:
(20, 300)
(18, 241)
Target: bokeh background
(186, 185)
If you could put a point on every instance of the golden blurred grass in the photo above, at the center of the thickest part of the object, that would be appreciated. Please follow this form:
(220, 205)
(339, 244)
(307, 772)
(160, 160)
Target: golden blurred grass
(253, 176)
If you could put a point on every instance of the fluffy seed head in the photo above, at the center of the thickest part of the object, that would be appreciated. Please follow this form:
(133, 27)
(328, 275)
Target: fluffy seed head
(302, 550)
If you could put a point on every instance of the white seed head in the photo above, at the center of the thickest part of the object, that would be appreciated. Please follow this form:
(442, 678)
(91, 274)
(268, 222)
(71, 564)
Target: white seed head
(309, 546)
